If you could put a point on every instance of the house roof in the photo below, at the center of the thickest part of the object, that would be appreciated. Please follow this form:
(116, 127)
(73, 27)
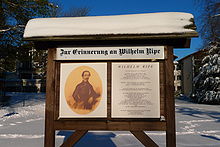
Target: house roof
(150, 25)
(193, 54)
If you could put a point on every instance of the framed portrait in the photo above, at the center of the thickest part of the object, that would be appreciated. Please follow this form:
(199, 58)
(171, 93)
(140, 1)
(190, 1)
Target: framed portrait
(135, 90)
(83, 90)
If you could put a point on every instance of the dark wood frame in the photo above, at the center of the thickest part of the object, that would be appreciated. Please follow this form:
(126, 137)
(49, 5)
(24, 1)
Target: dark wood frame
(135, 126)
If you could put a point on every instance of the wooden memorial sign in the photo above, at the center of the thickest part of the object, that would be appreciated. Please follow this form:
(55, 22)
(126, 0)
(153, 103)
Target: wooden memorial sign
(101, 80)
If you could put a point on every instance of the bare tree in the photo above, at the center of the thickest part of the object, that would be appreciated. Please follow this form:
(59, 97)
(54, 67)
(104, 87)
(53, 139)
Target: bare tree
(71, 12)
(209, 20)
(76, 12)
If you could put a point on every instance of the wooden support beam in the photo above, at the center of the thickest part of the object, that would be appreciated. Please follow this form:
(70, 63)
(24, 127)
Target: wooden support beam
(74, 138)
(49, 139)
(170, 103)
(144, 139)
(113, 126)
(175, 42)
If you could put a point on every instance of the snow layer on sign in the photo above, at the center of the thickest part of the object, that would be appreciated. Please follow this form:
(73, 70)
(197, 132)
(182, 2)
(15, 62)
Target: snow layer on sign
(151, 23)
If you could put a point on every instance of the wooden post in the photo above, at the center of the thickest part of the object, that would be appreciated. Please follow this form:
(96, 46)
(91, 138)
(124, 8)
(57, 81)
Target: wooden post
(49, 139)
(144, 139)
(170, 103)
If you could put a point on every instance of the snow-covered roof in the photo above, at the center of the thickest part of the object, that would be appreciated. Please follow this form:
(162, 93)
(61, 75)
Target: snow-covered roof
(136, 24)
(193, 54)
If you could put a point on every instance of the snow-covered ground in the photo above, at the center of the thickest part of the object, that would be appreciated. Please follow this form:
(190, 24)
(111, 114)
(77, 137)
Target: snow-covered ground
(22, 125)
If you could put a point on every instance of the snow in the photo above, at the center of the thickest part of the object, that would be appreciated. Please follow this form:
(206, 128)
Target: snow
(196, 125)
(148, 23)
(22, 105)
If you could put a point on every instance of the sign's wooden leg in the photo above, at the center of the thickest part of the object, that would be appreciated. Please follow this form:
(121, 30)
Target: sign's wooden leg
(74, 138)
(170, 103)
(49, 139)
(144, 139)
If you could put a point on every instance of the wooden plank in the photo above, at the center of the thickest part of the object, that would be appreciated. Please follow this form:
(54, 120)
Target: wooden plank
(57, 91)
(116, 37)
(144, 139)
(74, 138)
(49, 140)
(137, 126)
(162, 87)
(110, 126)
(170, 104)
(109, 93)
(175, 42)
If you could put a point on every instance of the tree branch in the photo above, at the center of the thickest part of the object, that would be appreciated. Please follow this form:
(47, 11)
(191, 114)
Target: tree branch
(12, 28)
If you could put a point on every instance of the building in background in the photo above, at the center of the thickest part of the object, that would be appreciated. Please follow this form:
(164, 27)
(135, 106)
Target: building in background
(27, 77)
(189, 67)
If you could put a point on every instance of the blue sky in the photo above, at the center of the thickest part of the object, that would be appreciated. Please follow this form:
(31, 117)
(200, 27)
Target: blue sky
(116, 7)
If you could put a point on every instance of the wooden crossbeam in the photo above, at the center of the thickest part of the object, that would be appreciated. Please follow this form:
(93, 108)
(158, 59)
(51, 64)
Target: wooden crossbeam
(144, 139)
(74, 138)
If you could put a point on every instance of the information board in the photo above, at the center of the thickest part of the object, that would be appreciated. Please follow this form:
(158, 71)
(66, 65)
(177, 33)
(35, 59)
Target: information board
(135, 90)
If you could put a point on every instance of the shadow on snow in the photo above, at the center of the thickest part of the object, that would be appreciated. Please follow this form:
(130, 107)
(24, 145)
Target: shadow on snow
(211, 137)
(195, 112)
(94, 139)
(23, 99)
